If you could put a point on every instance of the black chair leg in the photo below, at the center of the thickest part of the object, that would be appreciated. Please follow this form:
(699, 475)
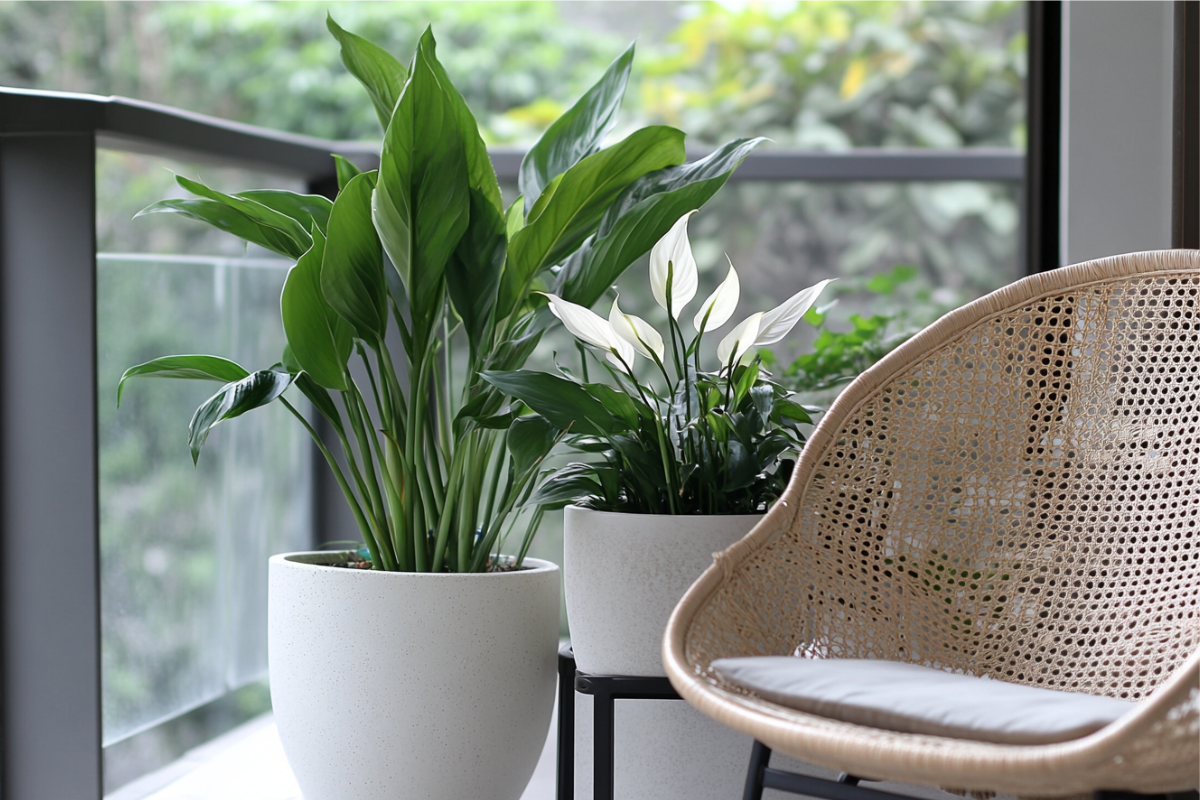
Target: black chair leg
(760, 758)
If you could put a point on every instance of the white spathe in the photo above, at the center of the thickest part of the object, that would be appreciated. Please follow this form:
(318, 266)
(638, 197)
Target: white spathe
(624, 574)
(671, 257)
(590, 328)
(739, 340)
(635, 330)
(720, 305)
(389, 686)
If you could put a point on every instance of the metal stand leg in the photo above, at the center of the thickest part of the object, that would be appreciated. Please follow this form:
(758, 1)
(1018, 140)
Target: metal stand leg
(566, 724)
(760, 758)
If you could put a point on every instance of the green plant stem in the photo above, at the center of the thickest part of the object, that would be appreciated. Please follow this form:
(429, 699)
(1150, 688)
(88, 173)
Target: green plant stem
(443, 530)
(378, 560)
(355, 407)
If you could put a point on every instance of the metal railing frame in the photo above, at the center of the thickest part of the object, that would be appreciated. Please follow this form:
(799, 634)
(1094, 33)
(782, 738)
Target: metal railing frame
(50, 712)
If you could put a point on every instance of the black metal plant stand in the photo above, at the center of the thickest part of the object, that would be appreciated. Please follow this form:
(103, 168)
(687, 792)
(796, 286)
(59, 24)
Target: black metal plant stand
(605, 690)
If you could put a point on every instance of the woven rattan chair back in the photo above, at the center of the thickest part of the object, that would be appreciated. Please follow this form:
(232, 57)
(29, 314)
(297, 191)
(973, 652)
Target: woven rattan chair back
(1013, 493)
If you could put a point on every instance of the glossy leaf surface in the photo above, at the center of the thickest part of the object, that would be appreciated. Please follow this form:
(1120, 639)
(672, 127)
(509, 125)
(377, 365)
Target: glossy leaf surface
(376, 69)
(352, 266)
(254, 391)
(319, 338)
(191, 367)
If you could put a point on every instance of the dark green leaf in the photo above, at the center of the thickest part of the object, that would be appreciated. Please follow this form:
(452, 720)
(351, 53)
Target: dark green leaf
(345, 171)
(643, 213)
(234, 399)
(576, 134)
(376, 69)
(619, 403)
(319, 338)
(295, 236)
(422, 203)
(307, 209)
(564, 487)
(473, 272)
(530, 438)
(227, 219)
(566, 404)
(322, 402)
(582, 197)
(198, 367)
(352, 268)
(740, 468)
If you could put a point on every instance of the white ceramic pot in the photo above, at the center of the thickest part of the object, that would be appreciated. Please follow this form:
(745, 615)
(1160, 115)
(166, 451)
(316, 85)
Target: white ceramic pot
(624, 574)
(388, 686)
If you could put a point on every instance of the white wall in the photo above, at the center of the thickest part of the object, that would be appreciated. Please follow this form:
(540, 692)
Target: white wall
(1117, 69)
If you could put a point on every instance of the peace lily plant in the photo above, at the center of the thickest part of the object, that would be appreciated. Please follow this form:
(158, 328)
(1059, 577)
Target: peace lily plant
(696, 442)
(418, 260)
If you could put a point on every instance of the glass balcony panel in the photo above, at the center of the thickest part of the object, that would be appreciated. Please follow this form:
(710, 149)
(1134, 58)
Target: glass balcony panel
(183, 547)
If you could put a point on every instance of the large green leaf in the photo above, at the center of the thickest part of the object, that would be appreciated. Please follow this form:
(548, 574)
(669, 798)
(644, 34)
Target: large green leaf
(643, 213)
(422, 203)
(234, 399)
(566, 404)
(227, 219)
(292, 231)
(376, 69)
(481, 173)
(581, 199)
(307, 209)
(352, 267)
(576, 134)
(197, 367)
(319, 338)
(473, 271)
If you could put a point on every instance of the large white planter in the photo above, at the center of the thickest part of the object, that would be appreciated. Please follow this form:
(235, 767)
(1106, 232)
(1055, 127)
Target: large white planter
(624, 574)
(389, 686)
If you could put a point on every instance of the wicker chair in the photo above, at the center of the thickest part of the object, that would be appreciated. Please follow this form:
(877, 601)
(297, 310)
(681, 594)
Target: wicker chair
(1013, 493)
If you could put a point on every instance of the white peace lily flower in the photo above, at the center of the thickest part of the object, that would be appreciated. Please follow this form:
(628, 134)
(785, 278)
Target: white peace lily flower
(721, 304)
(673, 253)
(742, 338)
(636, 331)
(778, 321)
(590, 328)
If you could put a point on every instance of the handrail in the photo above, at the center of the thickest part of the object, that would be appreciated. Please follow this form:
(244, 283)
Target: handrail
(148, 127)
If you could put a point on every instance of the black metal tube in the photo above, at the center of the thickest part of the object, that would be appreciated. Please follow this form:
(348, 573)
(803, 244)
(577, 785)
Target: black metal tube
(1185, 156)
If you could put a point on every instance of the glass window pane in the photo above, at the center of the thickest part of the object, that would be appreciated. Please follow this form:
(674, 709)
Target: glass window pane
(184, 548)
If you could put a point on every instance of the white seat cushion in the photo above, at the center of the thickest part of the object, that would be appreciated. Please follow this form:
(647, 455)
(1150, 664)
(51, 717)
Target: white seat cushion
(915, 699)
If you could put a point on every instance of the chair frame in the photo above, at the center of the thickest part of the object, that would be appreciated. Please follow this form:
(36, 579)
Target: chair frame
(1123, 756)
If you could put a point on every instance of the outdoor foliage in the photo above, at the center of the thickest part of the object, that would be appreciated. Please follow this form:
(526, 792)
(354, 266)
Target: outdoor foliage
(701, 442)
(434, 471)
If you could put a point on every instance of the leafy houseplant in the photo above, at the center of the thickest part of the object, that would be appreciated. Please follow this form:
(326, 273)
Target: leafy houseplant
(437, 464)
(703, 442)
(435, 471)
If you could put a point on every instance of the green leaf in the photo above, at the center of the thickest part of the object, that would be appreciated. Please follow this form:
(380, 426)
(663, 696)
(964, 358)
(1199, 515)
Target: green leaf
(568, 485)
(576, 134)
(481, 174)
(740, 468)
(643, 213)
(227, 219)
(473, 272)
(204, 368)
(321, 401)
(422, 203)
(376, 69)
(566, 404)
(233, 400)
(319, 338)
(514, 218)
(345, 171)
(529, 440)
(307, 209)
(352, 266)
(583, 195)
(619, 403)
(294, 236)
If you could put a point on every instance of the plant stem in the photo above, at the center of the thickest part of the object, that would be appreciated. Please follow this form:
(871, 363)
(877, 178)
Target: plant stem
(377, 558)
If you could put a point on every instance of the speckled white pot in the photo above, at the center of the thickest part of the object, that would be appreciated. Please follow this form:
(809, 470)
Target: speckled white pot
(388, 686)
(624, 574)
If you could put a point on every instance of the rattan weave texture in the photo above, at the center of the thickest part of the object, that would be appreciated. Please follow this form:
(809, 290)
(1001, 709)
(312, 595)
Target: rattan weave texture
(1015, 493)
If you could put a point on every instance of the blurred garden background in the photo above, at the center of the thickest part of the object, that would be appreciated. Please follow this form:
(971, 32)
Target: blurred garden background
(184, 548)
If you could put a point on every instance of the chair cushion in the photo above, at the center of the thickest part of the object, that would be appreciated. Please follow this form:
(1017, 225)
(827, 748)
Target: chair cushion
(914, 699)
